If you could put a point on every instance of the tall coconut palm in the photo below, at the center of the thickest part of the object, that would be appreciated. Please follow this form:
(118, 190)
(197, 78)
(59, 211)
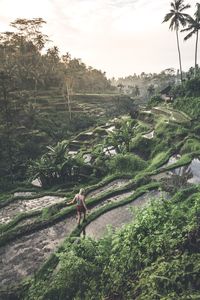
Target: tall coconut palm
(193, 28)
(178, 18)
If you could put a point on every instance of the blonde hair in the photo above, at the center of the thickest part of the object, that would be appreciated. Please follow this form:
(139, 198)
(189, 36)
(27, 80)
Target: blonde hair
(82, 192)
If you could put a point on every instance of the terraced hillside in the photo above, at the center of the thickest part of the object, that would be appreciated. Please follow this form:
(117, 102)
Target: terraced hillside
(97, 104)
(35, 226)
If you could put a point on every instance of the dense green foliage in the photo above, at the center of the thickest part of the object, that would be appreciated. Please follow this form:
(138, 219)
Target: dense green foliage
(155, 257)
(191, 145)
(152, 256)
(22, 59)
(126, 163)
(189, 105)
(145, 85)
(48, 99)
(44, 98)
(56, 166)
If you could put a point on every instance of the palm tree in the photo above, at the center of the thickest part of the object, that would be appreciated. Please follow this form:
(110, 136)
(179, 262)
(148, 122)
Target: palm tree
(120, 139)
(151, 90)
(56, 166)
(193, 28)
(177, 18)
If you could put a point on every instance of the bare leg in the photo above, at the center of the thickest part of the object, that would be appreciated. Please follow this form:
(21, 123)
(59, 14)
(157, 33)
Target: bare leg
(78, 217)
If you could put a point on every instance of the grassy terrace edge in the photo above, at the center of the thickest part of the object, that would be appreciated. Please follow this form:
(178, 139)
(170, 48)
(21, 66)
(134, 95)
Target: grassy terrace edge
(9, 233)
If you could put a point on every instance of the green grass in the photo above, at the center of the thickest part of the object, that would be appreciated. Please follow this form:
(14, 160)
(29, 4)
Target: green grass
(154, 257)
(153, 244)
(191, 145)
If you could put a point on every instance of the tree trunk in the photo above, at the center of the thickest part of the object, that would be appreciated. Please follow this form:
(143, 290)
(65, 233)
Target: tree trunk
(35, 90)
(179, 55)
(69, 103)
(196, 47)
(8, 133)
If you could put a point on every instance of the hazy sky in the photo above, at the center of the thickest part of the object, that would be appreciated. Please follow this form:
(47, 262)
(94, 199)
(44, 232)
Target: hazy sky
(120, 37)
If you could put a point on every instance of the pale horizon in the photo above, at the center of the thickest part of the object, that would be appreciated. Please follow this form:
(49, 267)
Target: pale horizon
(120, 37)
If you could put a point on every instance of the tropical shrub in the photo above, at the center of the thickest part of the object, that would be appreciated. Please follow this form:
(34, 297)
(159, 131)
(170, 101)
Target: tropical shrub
(158, 160)
(192, 87)
(189, 105)
(120, 139)
(189, 88)
(167, 134)
(126, 163)
(142, 146)
(56, 166)
(155, 100)
(171, 278)
(191, 145)
(197, 130)
(98, 160)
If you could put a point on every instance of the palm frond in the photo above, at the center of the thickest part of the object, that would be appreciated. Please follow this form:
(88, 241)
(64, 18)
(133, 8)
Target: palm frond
(168, 17)
(187, 17)
(172, 24)
(189, 35)
(179, 4)
(191, 20)
(182, 20)
(187, 29)
(197, 13)
(185, 7)
(176, 17)
(173, 5)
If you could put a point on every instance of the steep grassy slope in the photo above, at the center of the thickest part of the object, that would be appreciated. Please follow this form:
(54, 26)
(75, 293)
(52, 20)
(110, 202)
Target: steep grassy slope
(153, 258)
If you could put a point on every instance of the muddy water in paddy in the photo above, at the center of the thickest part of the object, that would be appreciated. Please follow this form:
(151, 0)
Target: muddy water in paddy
(118, 216)
(10, 211)
(113, 199)
(109, 187)
(27, 254)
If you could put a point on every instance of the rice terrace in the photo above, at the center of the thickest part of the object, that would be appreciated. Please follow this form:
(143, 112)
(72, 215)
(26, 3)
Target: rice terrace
(100, 174)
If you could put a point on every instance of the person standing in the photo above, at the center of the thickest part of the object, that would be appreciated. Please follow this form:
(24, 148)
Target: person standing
(81, 207)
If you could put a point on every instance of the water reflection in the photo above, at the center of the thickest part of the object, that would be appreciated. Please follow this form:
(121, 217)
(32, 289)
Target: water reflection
(190, 172)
